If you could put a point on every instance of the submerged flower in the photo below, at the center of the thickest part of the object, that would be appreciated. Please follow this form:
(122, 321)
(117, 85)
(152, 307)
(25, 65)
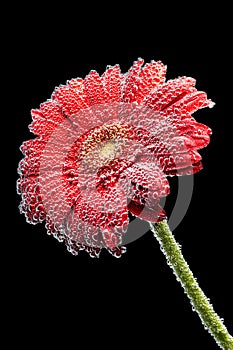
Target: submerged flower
(105, 146)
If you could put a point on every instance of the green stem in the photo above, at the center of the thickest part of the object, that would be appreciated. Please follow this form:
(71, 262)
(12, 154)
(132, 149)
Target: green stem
(200, 303)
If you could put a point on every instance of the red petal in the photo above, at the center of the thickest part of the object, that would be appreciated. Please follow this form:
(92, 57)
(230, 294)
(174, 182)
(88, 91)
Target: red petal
(32, 150)
(93, 252)
(41, 126)
(193, 169)
(149, 177)
(173, 153)
(71, 190)
(52, 112)
(198, 134)
(80, 224)
(104, 213)
(52, 229)
(29, 166)
(184, 107)
(72, 245)
(115, 206)
(77, 85)
(112, 80)
(151, 76)
(177, 163)
(94, 89)
(31, 204)
(46, 119)
(130, 87)
(70, 101)
(169, 93)
(117, 251)
(153, 215)
(193, 102)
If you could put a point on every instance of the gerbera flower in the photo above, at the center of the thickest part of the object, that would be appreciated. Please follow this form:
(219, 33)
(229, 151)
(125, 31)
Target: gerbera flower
(104, 146)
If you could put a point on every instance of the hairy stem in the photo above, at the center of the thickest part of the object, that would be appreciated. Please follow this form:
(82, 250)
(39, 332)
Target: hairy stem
(200, 303)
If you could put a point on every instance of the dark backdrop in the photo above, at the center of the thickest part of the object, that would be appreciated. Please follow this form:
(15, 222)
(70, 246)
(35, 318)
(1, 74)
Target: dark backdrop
(137, 297)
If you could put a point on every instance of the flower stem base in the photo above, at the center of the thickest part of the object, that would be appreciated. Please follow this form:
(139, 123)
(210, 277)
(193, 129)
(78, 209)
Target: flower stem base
(200, 303)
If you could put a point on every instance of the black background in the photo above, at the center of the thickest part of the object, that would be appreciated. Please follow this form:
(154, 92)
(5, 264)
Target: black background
(135, 298)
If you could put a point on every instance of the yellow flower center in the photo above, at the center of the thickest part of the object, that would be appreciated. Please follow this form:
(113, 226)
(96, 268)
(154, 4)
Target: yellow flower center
(103, 144)
(108, 150)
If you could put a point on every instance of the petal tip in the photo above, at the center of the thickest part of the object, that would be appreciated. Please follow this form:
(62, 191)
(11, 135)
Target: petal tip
(211, 104)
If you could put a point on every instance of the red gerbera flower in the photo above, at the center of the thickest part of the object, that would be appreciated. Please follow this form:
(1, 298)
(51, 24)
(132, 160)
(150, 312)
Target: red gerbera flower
(105, 146)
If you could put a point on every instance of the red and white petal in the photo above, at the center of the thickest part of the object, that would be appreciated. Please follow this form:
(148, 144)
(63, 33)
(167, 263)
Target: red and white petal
(193, 169)
(30, 164)
(178, 164)
(94, 89)
(47, 119)
(52, 229)
(102, 218)
(33, 147)
(150, 176)
(197, 133)
(189, 104)
(169, 93)
(93, 252)
(44, 124)
(155, 214)
(52, 112)
(130, 86)
(69, 101)
(193, 102)
(80, 225)
(151, 76)
(77, 85)
(114, 218)
(117, 251)
(112, 82)
(31, 204)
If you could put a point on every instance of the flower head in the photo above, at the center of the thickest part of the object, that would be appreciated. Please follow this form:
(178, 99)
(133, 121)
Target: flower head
(104, 146)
